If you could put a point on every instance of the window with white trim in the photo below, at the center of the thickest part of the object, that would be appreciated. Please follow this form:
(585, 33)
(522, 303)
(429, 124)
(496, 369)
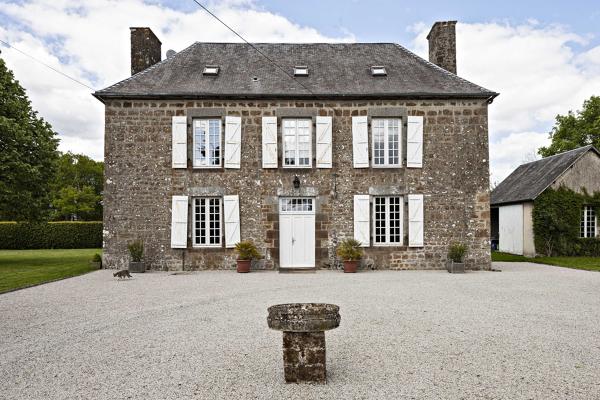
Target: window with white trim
(588, 222)
(207, 143)
(386, 142)
(207, 222)
(297, 142)
(388, 212)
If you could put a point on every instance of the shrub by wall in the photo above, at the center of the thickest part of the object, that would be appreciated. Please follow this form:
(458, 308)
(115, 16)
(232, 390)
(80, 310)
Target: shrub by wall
(50, 235)
(557, 223)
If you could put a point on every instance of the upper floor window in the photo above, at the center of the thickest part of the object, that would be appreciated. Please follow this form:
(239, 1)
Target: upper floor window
(207, 222)
(207, 143)
(297, 143)
(588, 222)
(386, 142)
(387, 220)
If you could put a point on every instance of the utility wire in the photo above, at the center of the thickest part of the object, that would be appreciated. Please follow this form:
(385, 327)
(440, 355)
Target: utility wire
(47, 66)
(255, 48)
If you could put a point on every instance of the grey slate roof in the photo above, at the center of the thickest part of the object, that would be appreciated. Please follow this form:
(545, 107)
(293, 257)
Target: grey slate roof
(335, 70)
(529, 180)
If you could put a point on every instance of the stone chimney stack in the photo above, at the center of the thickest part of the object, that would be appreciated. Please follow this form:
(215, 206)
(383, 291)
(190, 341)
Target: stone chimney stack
(145, 49)
(442, 45)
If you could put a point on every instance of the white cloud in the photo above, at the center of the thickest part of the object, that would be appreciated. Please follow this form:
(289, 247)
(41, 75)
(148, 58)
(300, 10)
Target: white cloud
(90, 42)
(537, 73)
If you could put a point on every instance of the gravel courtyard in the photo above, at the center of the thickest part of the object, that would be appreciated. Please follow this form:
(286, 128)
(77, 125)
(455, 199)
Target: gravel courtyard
(529, 332)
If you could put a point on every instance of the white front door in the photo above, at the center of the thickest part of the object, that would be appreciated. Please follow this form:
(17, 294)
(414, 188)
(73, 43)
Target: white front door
(296, 232)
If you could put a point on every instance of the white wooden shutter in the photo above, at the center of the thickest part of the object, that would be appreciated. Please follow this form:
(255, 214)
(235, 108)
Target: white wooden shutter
(415, 220)
(231, 211)
(269, 142)
(179, 222)
(324, 142)
(179, 142)
(414, 142)
(233, 141)
(362, 220)
(360, 142)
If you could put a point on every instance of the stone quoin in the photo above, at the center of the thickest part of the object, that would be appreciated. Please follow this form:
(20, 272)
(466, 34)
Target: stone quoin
(202, 150)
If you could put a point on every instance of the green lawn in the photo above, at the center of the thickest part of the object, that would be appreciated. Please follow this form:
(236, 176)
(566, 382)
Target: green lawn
(586, 263)
(22, 268)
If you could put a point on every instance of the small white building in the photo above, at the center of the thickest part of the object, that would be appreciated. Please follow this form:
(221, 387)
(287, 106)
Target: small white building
(511, 203)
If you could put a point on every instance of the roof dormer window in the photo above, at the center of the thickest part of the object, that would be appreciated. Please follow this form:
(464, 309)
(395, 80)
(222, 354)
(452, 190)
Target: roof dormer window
(210, 70)
(300, 70)
(378, 70)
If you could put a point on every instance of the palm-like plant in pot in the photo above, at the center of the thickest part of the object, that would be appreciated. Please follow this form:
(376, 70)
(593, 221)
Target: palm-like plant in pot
(247, 252)
(456, 258)
(136, 250)
(350, 252)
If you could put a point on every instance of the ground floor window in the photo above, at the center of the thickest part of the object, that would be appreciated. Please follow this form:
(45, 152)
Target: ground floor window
(207, 221)
(588, 222)
(387, 220)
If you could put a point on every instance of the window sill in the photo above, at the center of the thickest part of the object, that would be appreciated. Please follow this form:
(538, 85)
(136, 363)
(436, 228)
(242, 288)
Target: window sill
(296, 166)
(387, 166)
(388, 245)
(207, 167)
(207, 246)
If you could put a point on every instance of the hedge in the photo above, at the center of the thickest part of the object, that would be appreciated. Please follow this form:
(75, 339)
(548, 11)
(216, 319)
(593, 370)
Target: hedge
(50, 235)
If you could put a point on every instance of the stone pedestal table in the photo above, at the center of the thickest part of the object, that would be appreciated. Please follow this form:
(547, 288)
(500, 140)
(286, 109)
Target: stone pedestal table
(304, 326)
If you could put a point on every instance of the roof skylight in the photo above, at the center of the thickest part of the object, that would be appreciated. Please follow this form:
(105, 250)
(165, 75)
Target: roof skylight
(378, 70)
(300, 70)
(211, 70)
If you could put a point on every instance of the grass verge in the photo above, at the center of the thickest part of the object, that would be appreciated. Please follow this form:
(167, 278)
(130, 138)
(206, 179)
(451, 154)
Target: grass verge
(24, 268)
(585, 263)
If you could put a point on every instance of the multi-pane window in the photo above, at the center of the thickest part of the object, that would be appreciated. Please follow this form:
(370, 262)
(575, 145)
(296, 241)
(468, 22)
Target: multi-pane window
(207, 143)
(296, 204)
(207, 221)
(297, 151)
(588, 222)
(386, 141)
(387, 220)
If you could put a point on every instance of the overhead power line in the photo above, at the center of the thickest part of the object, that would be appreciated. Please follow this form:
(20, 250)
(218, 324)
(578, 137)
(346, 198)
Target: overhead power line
(46, 65)
(255, 48)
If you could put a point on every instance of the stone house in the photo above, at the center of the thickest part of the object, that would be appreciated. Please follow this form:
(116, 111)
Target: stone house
(320, 142)
(512, 200)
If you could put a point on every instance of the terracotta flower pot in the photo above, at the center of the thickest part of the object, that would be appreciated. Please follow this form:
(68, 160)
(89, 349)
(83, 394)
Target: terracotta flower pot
(243, 266)
(350, 266)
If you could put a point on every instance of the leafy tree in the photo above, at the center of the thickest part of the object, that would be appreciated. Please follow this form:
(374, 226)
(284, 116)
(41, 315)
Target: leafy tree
(575, 129)
(77, 188)
(27, 154)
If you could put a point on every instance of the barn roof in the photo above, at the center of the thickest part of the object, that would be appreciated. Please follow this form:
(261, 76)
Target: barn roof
(334, 70)
(529, 180)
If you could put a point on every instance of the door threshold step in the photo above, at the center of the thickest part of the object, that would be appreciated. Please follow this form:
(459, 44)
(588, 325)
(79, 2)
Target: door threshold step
(297, 270)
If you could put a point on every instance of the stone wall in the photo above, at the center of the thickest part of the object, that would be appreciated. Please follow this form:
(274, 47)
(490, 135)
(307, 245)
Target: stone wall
(442, 45)
(140, 182)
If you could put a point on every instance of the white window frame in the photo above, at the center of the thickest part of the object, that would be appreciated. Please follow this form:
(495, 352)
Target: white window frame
(197, 123)
(586, 220)
(207, 215)
(386, 143)
(297, 147)
(387, 221)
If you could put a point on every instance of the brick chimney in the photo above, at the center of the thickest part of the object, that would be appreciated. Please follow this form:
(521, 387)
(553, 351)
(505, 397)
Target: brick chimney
(145, 49)
(442, 45)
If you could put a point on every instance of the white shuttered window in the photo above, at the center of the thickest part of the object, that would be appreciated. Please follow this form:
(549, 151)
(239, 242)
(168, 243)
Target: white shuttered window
(207, 222)
(388, 213)
(207, 143)
(387, 139)
(297, 142)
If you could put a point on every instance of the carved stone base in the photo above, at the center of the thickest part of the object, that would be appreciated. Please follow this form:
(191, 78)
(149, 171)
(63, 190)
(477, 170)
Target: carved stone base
(304, 357)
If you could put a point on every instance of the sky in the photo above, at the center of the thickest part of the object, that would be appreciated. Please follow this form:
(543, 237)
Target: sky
(543, 57)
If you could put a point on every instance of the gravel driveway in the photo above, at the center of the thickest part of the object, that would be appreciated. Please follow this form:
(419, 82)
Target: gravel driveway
(529, 332)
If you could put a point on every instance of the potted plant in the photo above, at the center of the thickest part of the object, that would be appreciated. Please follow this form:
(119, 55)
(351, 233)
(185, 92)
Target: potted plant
(96, 261)
(247, 252)
(350, 252)
(456, 258)
(136, 250)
